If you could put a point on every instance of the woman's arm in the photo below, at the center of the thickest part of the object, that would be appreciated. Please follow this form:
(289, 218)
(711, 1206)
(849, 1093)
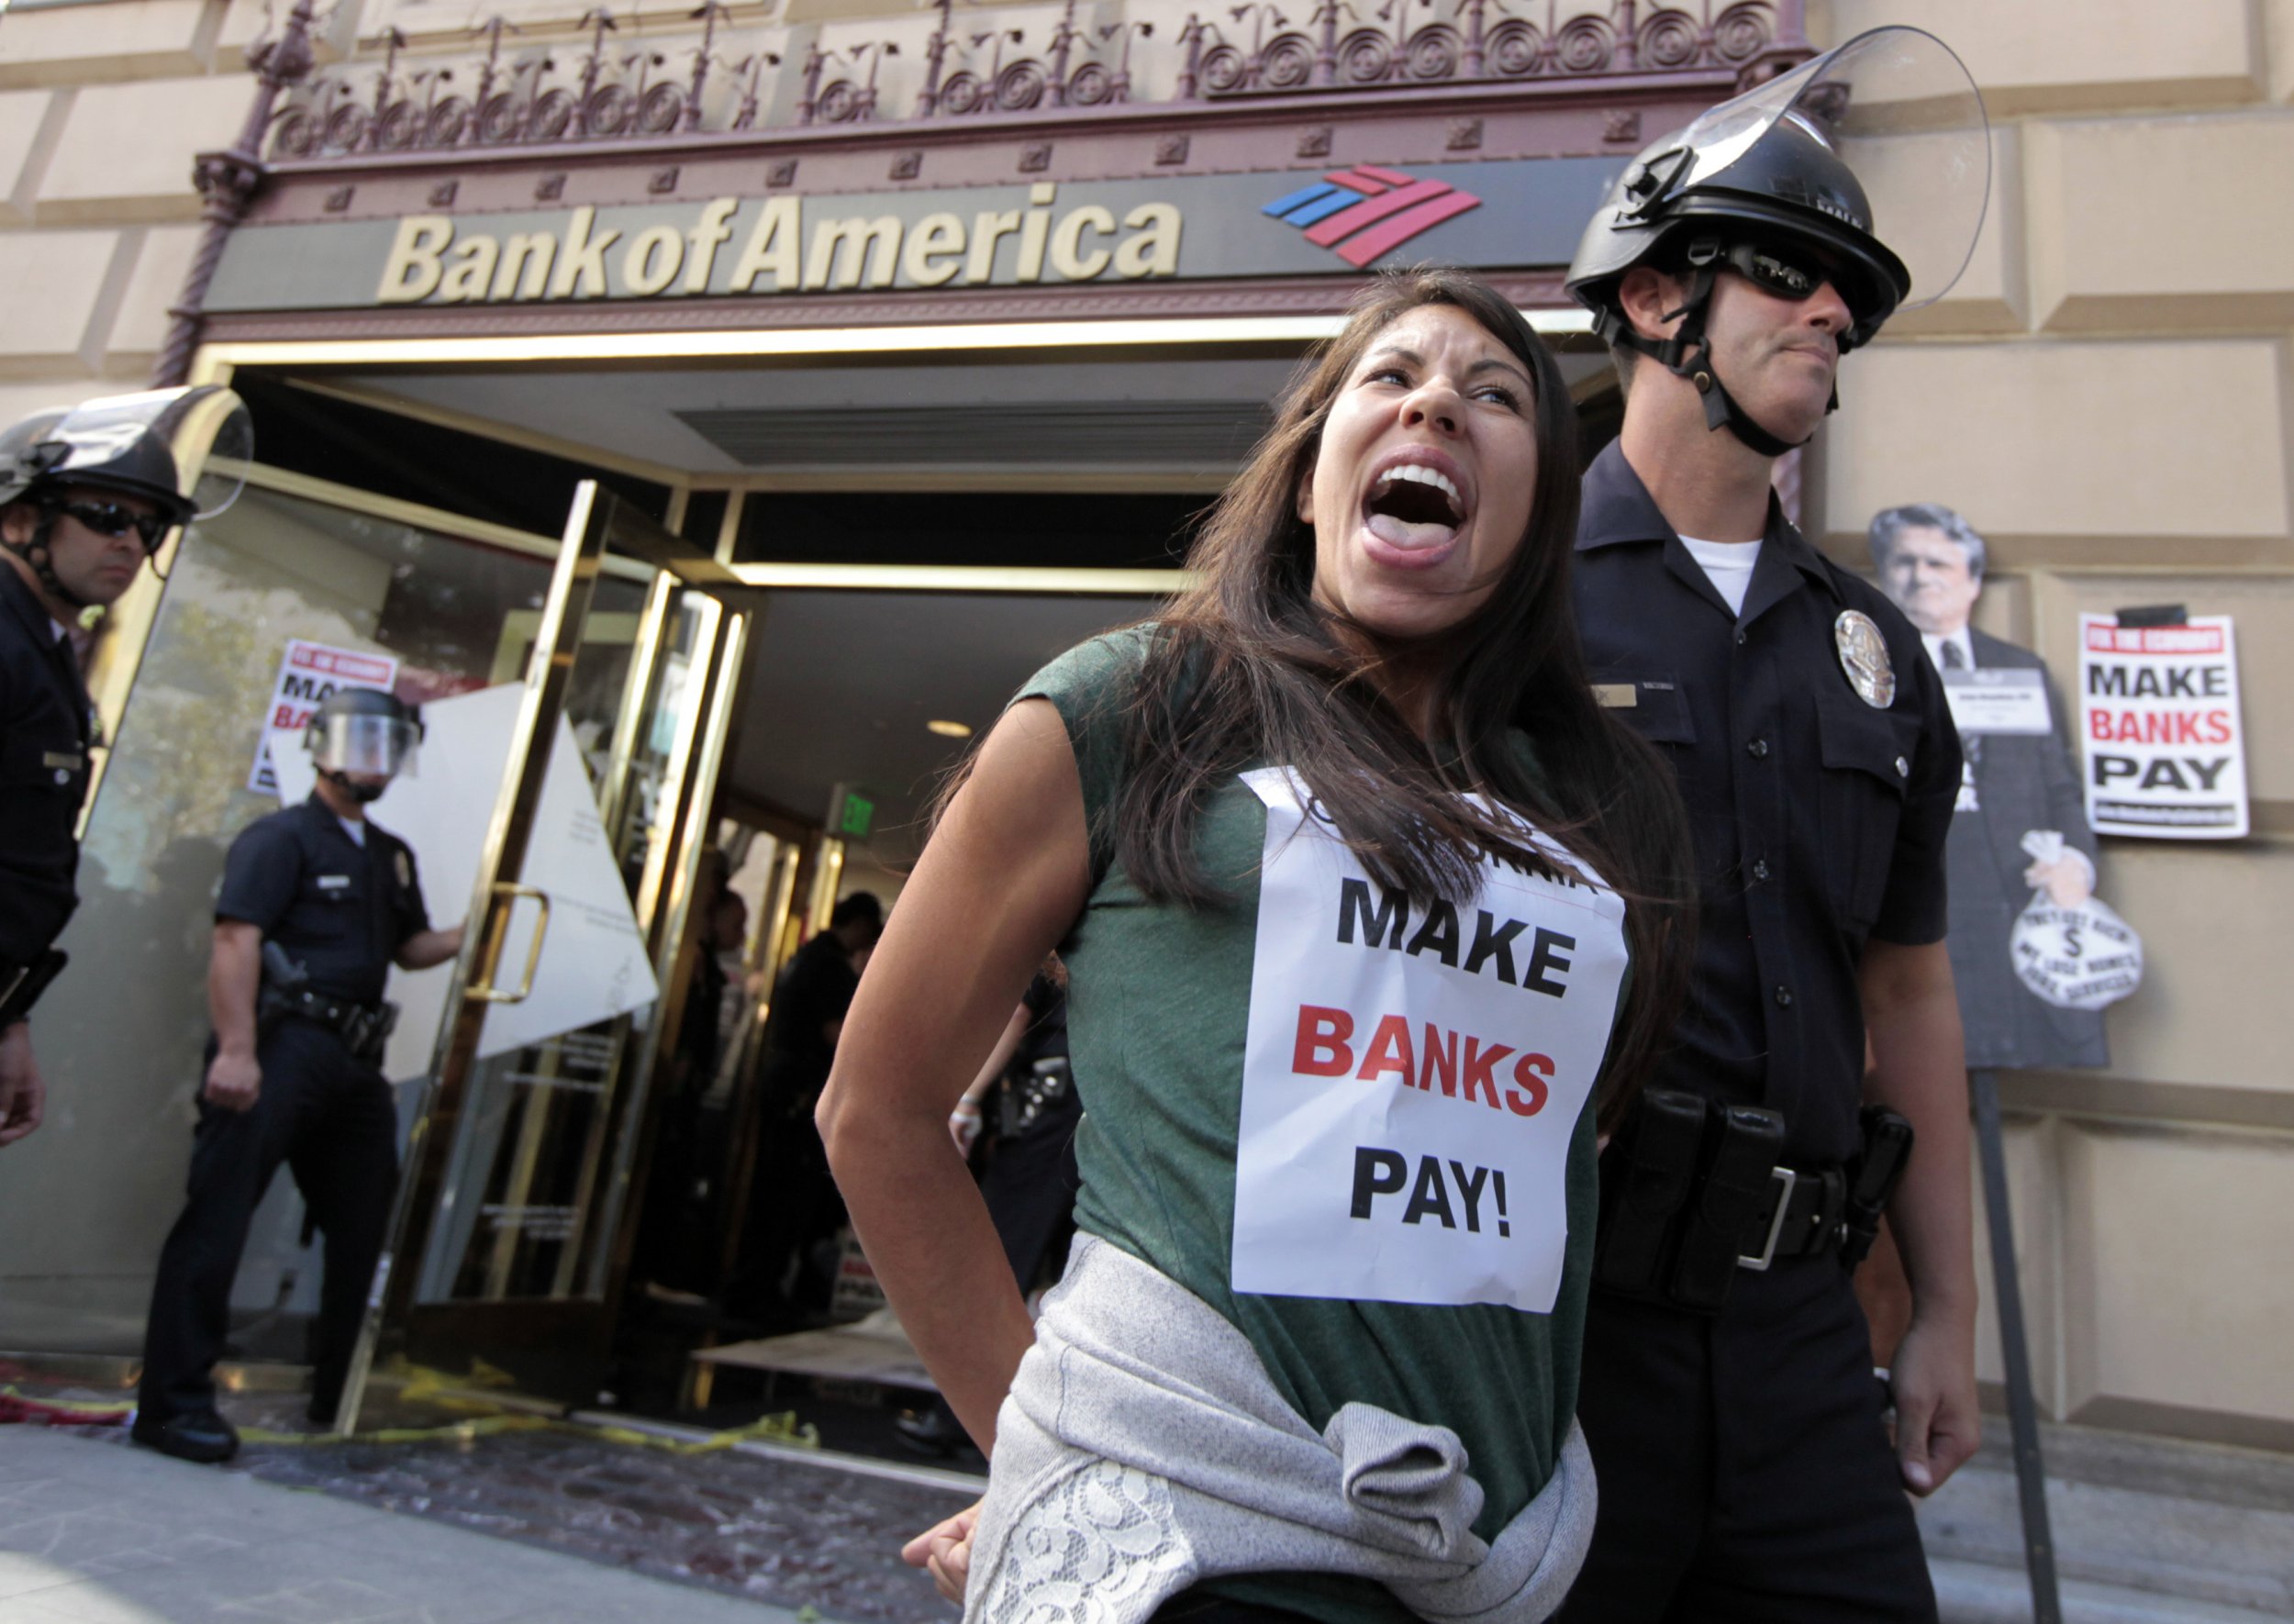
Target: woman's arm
(998, 887)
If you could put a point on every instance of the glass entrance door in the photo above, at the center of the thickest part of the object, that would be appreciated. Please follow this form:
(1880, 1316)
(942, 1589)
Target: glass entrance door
(509, 1233)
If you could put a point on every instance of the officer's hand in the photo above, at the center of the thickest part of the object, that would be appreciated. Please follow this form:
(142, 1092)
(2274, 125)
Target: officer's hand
(946, 1552)
(233, 1082)
(1934, 1379)
(23, 1091)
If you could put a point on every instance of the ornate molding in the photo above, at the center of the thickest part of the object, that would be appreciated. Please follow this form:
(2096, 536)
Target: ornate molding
(618, 89)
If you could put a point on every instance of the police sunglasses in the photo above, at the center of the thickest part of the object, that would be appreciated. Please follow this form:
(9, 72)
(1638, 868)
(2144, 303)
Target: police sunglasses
(1790, 271)
(117, 518)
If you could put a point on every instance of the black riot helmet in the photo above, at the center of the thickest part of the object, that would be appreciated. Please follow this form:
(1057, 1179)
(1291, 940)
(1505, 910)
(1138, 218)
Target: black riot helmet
(125, 445)
(367, 731)
(1872, 162)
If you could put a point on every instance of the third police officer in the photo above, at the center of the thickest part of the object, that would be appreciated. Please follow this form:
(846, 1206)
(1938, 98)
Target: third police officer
(1729, 1395)
(317, 904)
(87, 494)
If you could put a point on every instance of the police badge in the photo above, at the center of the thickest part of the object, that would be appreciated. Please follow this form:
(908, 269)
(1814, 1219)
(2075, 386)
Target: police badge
(1864, 657)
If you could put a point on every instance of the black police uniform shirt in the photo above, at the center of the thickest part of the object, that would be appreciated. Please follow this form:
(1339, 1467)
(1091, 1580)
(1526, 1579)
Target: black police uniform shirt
(340, 908)
(46, 728)
(1820, 820)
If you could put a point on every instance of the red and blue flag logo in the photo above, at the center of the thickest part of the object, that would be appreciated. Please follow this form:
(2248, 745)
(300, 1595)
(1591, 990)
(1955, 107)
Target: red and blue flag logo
(1363, 212)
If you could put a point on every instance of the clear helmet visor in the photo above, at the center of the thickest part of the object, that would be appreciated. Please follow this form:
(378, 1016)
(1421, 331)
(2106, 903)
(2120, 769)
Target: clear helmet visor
(1903, 114)
(205, 429)
(379, 746)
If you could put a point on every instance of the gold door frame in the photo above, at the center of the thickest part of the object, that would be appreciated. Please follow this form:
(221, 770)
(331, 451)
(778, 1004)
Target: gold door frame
(565, 607)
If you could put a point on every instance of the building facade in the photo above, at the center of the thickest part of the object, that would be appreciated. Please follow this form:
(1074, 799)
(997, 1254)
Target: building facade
(1051, 253)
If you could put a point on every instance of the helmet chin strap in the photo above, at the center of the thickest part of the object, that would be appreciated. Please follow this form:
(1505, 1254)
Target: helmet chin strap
(1688, 354)
(35, 553)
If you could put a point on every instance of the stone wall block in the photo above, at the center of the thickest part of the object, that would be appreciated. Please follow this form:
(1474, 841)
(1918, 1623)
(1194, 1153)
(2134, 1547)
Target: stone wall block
(156, 284)
(1991, 295)
(2096, 54)
(122, 40)
(56, 286)
(2211, 1011)
(2277, 26)
(108, 168)
(2091, 441)
(2150, 223)
(31, 121)
(2159, 1223)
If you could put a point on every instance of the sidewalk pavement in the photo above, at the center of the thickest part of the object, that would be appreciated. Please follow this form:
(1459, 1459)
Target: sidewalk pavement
(94, 1533)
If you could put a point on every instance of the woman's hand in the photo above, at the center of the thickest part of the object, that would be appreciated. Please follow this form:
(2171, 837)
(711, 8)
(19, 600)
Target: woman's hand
(945, 1550)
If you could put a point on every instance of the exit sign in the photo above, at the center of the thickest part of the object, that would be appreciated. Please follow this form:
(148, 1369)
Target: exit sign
(854, 813)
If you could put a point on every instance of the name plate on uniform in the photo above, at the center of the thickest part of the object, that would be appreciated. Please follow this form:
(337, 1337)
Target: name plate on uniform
(1998, 701)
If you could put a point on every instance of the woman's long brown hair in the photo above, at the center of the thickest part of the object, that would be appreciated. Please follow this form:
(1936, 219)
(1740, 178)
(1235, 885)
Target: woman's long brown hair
(1244, 667)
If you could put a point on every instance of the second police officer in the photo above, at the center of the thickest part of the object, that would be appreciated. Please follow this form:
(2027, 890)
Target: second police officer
(1729, 1395)
(317, 903)
(87, 494)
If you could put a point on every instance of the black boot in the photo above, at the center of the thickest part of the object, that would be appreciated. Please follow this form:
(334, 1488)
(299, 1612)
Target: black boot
(932, 1431)
(198, 1435)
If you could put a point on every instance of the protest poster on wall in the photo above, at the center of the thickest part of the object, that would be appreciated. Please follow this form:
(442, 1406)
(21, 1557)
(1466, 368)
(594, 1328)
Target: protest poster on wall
(308, 673)
(2158, 712)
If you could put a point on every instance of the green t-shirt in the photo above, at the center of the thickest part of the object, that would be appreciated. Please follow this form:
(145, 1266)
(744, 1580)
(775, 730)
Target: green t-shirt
(1159, 997)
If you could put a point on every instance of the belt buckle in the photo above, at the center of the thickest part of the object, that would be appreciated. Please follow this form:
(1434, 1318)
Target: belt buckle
(1790, 1181)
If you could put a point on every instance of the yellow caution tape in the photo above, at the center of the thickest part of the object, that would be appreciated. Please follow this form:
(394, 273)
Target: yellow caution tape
(420, 1385)
(72, 1406)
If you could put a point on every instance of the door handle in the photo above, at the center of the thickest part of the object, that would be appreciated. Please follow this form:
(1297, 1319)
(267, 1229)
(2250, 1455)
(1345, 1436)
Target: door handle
(505, 895)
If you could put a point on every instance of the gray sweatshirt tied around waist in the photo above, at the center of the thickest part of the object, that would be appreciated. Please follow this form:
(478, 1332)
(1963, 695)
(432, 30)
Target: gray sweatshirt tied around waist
(1143, 1447)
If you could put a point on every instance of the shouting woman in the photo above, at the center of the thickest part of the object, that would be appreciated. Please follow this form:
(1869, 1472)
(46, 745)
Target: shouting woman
(1369, 913)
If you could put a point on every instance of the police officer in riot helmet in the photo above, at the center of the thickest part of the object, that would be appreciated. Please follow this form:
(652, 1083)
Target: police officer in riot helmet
(87, 495)
(316, 903)
(1728, 1393)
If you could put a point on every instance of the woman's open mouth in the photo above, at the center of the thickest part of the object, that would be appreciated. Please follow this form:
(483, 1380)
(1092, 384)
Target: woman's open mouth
(1417, 511)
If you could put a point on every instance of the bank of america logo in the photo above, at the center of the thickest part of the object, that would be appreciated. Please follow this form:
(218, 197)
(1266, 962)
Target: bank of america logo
(1360, 213)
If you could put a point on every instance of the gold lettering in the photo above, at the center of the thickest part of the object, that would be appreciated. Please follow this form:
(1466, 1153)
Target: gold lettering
(1155, 250)
(843, 245)
(580, 272)
(1032, 229)
(715, 227)
(1067, 243)
(525, 270)
(928, 257)
(410, 275)
(986, 229)
(470, 271)
(656, 255)
(772, 247)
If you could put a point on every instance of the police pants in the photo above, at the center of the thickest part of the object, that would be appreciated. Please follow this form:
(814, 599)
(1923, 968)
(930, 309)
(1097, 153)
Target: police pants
(332, 1120)
(1744, 1470)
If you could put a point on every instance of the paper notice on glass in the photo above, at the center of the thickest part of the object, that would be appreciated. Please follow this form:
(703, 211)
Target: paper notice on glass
(2159, 718)
(593, 964)
(1998, 700)
(308, 673)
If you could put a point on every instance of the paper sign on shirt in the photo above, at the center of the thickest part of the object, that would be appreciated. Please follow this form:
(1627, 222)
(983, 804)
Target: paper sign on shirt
(308, 673)
(1412, 1079)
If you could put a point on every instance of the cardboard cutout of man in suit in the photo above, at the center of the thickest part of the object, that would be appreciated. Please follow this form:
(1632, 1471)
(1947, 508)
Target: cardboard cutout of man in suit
(1931, 563)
